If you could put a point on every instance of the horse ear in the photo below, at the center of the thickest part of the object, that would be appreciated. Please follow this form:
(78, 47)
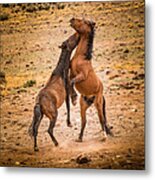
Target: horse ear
(93, 24)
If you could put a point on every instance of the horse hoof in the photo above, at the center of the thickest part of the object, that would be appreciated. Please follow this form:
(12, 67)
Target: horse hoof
(56, 144)
(78, 140)
(36, 149)
(69, 125)
(110, 133)
(74, 102)
(105, 134)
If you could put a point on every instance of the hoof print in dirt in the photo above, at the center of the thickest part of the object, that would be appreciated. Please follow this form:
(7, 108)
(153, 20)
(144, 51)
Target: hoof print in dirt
(83, 159)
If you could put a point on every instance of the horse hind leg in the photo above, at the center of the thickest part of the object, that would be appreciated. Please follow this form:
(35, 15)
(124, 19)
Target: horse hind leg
(52, 115)
(33, 130)
(107, 129)
(84, 105)
(50, 131)
(101, 115)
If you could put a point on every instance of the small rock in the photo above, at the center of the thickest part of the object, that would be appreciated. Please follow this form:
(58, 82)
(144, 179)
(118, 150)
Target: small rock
(107, 71)
(17, 163)
(134, 110)
(139, 77)
(120, 117)
(82, 159)
(17, 144)
(60, 20)
(126, 51)
(15, 97)
(122, 44)
(8, 62)
(128, 85)
(113, 76)
(21, 91)
(50, 67)
(2, 78)
(118, 156)
(65, 31)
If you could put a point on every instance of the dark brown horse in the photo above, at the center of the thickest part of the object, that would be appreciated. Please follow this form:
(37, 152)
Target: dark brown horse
(55, 92)
(83, 76)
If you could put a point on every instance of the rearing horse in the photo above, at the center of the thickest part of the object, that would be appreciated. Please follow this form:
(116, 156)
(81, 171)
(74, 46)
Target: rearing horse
(83, 76)
(54, 93)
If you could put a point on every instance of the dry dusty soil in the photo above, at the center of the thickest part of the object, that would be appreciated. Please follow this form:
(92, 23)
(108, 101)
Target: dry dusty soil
(29, 37)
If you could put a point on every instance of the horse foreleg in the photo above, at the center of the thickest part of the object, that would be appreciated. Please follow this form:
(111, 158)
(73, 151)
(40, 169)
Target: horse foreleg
(73, 93)
(68, 110)
(67, 100)
(80, 77)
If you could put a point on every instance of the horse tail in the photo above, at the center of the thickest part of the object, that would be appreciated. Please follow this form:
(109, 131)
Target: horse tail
(37, 116)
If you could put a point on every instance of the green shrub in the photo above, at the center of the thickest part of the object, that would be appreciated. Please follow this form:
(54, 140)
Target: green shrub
(60, 6)
(4, 17)
(5, 5)
(2, 77)
(31, 8)
(29, 83)
(44, 6)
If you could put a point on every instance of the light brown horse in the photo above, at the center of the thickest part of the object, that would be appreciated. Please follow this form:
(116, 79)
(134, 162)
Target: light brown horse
(83, 76)
(52, 96)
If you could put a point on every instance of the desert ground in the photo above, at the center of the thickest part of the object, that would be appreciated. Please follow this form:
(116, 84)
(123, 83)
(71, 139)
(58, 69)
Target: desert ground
(29, 38)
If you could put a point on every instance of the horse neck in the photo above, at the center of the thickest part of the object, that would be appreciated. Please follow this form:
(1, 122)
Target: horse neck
(63, 64)
(64, 59)
(82, 46)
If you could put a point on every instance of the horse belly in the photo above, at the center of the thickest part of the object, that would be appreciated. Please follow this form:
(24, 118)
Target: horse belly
(58, 91)
(88, 87)
(61, 95)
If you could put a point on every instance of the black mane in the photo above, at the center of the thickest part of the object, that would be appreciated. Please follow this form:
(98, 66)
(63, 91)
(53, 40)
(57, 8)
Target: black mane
(63, 63)
(90, 44)
(67, 47)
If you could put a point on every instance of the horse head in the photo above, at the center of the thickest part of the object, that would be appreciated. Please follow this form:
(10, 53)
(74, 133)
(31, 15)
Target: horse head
(82, 26)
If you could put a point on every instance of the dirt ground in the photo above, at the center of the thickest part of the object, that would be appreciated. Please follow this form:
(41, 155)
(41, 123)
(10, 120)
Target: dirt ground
(30, 36)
